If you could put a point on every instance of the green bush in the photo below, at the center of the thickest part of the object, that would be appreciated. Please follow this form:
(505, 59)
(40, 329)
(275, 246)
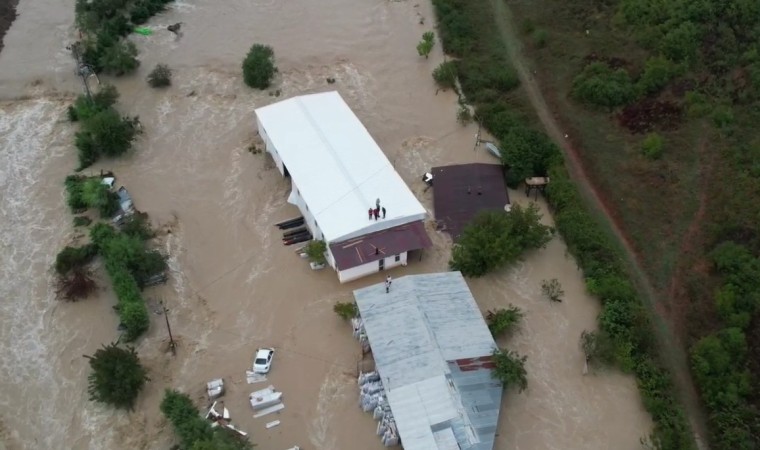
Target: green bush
(652, 146)
(722, 116)
(425, 46)
(117, 376)
(658, 71)
(496, 238)
(128, 263)
(137, 226)
(526, 153)
(316, 251)
(258, 66)
(74, 257)
(346, 310)
(510, 369)
(194, 431)
(99, 196)
(540, 37)
(503, 321)
(119, 58)
(82, 221)
(445, 75)
(105, 133)
(600, 85)
(160, 76)
(74, 184)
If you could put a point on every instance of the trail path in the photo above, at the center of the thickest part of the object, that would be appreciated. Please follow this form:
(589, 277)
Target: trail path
(673, 353)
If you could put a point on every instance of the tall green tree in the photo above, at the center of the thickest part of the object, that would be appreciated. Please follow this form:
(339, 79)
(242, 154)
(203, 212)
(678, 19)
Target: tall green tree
(258, 66)
(117, 376)
(496, 238)
(510, 369)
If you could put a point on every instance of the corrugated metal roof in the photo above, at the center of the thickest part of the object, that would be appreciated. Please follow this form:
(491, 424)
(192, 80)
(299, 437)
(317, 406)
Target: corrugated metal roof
(339, 170)
(431, 348)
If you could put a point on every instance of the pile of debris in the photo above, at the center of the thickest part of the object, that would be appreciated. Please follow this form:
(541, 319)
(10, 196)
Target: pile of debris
(266, 401)
(372, 398)
(222, 419)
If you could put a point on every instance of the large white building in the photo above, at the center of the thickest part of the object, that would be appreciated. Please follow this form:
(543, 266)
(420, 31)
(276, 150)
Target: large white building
(338, 173)
(433, 356)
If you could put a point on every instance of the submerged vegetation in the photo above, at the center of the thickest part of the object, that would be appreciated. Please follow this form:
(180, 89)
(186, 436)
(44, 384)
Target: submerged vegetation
(105, 24)
(117, 376)
(497, 238)
(258, 66)
(485, 76)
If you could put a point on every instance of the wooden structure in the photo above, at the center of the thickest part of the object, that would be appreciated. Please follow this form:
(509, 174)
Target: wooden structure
(535, 184)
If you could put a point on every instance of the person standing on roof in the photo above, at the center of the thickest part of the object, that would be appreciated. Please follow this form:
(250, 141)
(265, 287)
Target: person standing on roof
(377, 213)
(383, 208)
(370, 214)
(388, 282)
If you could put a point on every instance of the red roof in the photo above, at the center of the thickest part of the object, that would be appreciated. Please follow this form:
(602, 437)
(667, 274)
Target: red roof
(379, 245)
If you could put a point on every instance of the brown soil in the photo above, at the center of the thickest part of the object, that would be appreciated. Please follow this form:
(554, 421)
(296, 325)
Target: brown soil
(7, 16)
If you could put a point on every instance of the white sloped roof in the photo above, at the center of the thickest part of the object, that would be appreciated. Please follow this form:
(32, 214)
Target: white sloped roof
(338, 168)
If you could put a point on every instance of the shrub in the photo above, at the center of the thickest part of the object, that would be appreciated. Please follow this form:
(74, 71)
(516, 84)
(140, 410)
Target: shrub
(82, 221)
(552, 290)
(71, 258)
(652, 145)
(119, 58)
(346, 310)
(658, 71)
(503, 321)
(540, 37)
(74, 199)
(425, 46)
(598, 347)
(316, 251)
(526, 153)
(510, 369)
(137, 226)
(97, 195)
(496, 238)
(697, 104)
(445, 75)
(160, 76)
(117, 376)
(722, 116)
(599, 85)
(105, 133)
(76, 285)
(193, 430)
(258, 66)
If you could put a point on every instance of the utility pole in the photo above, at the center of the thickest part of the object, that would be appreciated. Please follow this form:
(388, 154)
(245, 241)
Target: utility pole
(172, 344)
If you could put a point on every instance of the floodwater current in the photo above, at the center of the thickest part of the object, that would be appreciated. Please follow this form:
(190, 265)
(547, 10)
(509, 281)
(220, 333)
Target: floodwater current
(233, 286)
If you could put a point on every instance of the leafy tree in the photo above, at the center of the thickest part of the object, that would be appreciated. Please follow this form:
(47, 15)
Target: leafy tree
(137, 226)
(258, 66)
(503, 321)
(600, 85)
(445, 75)
(680, 43)
(196, 433)
(160, 76)
(526, 153)
(346, 310)
(658, 71)
(510, 369)
(316, 251)
(552, 290)
(71, 258)
(84, 107)
(597, 347)
(652, 145)
(105, 133)
(119, 58)
(425, 46)
(99, 196)
(496, 238)
(117, 376)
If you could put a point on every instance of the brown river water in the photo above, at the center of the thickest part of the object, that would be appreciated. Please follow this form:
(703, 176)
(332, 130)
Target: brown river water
(233, 286)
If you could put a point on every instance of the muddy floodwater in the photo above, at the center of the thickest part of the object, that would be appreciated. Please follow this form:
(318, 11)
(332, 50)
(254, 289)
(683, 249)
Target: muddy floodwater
(233, 285)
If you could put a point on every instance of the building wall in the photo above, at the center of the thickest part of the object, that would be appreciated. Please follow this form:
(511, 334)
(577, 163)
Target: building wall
(270, 147)
(309, 220)
(370, 268)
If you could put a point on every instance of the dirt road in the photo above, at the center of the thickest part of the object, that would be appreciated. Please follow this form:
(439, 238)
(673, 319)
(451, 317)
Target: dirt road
(673, 353)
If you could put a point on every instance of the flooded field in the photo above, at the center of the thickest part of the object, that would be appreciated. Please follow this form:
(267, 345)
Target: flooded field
(234, 286)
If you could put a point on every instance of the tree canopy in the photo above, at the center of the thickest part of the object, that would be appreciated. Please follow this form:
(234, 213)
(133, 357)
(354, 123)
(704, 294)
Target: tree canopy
(117, 376)
(258, 66)
(496, 238)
